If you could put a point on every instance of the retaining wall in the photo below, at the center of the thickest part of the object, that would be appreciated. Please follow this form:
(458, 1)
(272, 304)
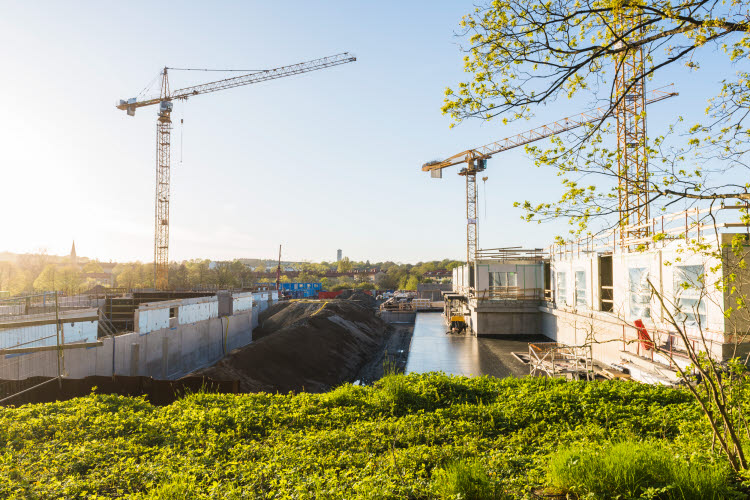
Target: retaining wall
(163, 347)
(398, 316)
(168, 353)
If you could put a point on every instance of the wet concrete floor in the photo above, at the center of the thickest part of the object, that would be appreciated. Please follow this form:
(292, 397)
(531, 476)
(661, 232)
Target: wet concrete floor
(433, 350)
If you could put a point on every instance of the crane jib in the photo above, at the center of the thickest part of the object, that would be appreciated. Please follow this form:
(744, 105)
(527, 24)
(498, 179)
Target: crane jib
(272, 74)
(548, 130)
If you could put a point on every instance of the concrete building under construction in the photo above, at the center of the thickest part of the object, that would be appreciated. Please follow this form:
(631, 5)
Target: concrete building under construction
(619, 295)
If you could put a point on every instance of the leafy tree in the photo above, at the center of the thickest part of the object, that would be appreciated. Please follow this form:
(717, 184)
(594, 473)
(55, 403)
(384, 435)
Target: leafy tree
(411, 283)
(179, 277)
(344, 265)
(13, 279)
(385, 281)
(306, 277)
(523, 53)
(69, 280)
(199, 272)
(224, 277)
(34, 263)
(92, 267)
(47, 279)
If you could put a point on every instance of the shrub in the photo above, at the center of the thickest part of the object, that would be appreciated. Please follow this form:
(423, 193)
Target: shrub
(345, 395)
(396, 393)
(466, 480)
(636, 470)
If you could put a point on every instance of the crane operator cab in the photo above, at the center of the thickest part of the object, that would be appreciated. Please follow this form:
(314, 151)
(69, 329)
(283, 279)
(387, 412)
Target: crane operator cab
(165, 107)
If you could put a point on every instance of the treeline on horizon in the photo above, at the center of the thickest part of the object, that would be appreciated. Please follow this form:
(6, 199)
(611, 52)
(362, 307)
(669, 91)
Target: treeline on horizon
(40, 272)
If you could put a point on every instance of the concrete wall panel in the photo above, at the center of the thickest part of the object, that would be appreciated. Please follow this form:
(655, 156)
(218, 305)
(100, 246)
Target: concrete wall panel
(242, 302)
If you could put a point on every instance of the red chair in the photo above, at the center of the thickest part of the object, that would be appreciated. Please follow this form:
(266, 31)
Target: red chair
(643, 337)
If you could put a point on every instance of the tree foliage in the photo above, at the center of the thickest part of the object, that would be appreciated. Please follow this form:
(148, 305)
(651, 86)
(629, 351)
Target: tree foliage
(523, 54)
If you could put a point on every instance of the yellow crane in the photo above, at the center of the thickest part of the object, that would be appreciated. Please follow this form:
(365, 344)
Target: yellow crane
(163, 138)
(476, 159)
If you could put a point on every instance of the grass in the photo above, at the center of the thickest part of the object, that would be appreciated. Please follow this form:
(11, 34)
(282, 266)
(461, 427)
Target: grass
(632, 470)
(418, 436)
(466, 480)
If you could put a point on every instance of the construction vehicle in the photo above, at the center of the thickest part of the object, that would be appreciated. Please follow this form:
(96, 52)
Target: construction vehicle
(476, 159)
(163, 137)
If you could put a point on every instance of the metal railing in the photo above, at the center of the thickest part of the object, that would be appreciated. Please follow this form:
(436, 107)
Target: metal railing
(45, 303)
(509, 293)
(693, 223)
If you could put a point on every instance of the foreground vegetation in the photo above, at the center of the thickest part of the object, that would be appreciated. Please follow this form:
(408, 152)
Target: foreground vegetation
(415, 436)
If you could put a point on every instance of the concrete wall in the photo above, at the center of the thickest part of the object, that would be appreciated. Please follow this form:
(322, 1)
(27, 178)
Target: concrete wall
(433, 291)
(198, 309)
(575, 323)
(261, 302)
(163, 352)
(398, 316)
(661, 266)
(40, 331)
(517, 320)
(242, 302)
(167, 353)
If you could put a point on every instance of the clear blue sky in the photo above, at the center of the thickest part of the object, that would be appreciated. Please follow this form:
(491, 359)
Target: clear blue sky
(321, 161)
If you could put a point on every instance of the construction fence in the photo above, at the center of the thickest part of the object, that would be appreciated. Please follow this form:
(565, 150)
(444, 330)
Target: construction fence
(31, 323)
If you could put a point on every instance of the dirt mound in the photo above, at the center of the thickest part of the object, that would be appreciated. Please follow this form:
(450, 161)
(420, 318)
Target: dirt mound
(282, 315)
(314, 349)
(359, 296)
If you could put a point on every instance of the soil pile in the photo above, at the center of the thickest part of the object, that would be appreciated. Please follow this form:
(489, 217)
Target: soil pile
(360, 297)
(282, 315)
(315, 346)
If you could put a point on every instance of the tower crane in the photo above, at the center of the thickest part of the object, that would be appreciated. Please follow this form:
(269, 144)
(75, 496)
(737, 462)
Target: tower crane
(476, 159)
(163, 133)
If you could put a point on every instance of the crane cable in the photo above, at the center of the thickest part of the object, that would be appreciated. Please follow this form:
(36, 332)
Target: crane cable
(182, 131)
(149, 85)
(484, 185)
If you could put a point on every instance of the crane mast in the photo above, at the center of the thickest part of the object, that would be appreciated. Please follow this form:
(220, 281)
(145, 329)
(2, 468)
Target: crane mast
(632, 162)
(161, 210)
(164, 131)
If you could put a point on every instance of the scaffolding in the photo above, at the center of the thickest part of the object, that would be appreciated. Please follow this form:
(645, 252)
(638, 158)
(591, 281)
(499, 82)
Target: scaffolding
(553, 359)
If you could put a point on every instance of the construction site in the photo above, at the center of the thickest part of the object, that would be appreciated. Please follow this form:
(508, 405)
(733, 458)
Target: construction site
(604, 305)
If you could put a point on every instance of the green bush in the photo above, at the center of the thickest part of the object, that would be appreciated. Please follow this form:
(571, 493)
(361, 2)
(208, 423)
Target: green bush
(632, 470)
(465, 480)
(408, 436)
(395, 393)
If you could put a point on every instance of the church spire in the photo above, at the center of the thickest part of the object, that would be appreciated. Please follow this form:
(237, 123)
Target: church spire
(73, 257)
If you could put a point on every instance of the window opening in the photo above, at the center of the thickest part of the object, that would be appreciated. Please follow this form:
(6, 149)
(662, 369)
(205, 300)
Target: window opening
(690, 306)
(640, 293)
(606, 284)
(562, 290)
(581, 288)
